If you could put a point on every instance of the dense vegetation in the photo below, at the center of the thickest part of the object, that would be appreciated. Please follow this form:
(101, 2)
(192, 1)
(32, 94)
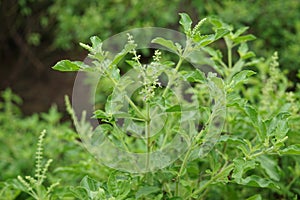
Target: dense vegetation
(35, 34)
(254, 156)
(58, 24)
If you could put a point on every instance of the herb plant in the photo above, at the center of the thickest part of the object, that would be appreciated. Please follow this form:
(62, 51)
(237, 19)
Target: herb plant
(34, 185)
(256, 131)
(236, 129)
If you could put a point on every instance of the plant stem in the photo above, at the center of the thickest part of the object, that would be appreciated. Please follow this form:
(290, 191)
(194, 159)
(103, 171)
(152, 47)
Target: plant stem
(131, 103)
(218, 175)
(178, 64)
(171, 80)
(186, 157)
(135, 107)
(229, 58)
(229, 52)
(268, 150)
(168, 128)
(147, 130)
(292, 182)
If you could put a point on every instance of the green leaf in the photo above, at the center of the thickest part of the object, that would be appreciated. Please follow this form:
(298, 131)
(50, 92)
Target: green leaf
(114, 72)
(79, 192)
(241, 166)
(252, 114)
(119, 184)
(270, 166)
(244, 38)
(18, 185)
(182, 108)
(146, 190)
(8, 191)
(90, 184)
(248, 55)
(217, 23)
(89, 189)
(96, 42)
(231, 139)
(237, 67)
(240, 144)
(257, 123)
(221, 32)
(291, 150)
(223, 175)
(194, 76)
(122, 54)
(240, 77)
(240, 31)
(278, 126)
(282, 125)
(255, 197)
(186, 23)
(168, 63)
(133, 64)
(66, 66)
(215, 54)
(123, 115)
(108, 105)
(243, 51)
(166, 43)
(257, 181)
(234, 99)
(204, 40)
(176, 108)
(215, 83)
(100, 114)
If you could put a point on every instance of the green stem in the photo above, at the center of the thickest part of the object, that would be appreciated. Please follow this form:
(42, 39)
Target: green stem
(147, 130)
(292, 182)
(227, 69)
(217, 176)
(122, 139)
(229, 57)
(171, 80)
(186, 157)
(181, 57)
(178, 64)
(129, 101)
(168, 128)
(184, 162)
(268, 150)
(135, 107)
(229, 52)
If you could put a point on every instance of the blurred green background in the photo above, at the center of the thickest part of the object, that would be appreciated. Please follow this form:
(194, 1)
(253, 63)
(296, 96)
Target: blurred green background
(35, 34)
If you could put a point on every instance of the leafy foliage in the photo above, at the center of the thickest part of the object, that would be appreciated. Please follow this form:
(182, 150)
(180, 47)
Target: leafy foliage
(280, 33)
(34, 186)
(257, 152)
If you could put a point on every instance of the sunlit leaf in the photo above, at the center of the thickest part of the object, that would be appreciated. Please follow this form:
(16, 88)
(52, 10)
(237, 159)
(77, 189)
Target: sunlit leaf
(66, 66)
(166, 43)
(186, 23)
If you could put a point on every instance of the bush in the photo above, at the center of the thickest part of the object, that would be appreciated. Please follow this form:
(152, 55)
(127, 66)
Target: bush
(257, 153)
(276, 23)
